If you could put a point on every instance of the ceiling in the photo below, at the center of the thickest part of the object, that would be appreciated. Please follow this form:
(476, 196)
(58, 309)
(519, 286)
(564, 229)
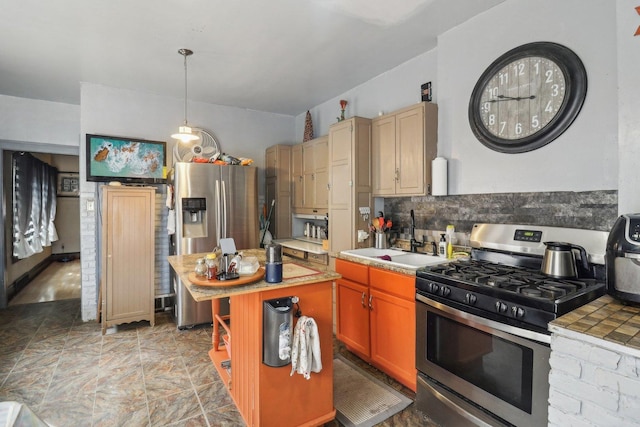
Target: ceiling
(281, 56)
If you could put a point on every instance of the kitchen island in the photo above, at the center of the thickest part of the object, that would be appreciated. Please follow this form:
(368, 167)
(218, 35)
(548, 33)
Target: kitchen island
(265, 395)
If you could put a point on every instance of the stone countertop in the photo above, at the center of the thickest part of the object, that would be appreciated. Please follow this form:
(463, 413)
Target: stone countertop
(185, 264)
(374, 263)
(605, 318)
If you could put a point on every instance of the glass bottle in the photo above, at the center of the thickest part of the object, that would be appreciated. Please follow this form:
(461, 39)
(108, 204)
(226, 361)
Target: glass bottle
(201, 267)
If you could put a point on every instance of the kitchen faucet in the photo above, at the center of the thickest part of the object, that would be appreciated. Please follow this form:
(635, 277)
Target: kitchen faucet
(413, 243)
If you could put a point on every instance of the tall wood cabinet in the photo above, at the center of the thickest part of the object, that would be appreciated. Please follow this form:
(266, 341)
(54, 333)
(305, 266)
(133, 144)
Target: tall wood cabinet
(278, 181)
(403, 145)
(349, 182)
(128, 255)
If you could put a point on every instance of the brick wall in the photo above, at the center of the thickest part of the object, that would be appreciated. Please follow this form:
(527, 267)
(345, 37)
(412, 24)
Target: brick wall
(592, 382)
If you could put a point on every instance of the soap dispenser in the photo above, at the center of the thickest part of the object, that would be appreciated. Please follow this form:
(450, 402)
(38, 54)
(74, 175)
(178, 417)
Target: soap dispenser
(442, 246)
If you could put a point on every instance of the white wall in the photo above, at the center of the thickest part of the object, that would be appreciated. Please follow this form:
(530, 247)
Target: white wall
(39, 121)
(387, 92)
(584, 158)
(628, 64)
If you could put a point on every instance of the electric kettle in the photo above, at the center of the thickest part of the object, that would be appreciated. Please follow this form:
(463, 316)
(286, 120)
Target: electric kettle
(559, 260)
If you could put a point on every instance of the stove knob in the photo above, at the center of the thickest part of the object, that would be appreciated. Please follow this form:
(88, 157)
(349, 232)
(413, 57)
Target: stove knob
(517, 311)
(470, 299)
(433, 288)
(501, 307)
(445, 291)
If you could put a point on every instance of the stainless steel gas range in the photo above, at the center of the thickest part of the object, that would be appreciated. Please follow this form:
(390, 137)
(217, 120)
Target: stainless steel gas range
(482, 345)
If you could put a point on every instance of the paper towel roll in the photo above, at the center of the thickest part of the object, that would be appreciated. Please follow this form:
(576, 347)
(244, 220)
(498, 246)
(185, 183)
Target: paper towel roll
(439, 176)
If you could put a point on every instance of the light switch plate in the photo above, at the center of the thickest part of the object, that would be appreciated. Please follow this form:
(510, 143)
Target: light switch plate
(91, 205)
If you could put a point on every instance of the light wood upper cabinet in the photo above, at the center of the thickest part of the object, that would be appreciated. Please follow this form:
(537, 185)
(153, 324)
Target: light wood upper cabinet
(403, 145)
(312, 194)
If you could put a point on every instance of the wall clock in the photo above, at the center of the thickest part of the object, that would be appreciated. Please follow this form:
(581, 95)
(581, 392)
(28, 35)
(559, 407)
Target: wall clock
(527, 97)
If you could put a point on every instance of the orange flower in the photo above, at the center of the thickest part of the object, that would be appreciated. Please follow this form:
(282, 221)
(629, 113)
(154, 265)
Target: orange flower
(343, 104)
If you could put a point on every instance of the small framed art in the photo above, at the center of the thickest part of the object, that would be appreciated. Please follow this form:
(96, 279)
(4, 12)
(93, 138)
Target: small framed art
(68, 184)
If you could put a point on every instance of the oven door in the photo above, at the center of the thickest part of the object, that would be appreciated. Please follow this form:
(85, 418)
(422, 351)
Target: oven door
(497, 367)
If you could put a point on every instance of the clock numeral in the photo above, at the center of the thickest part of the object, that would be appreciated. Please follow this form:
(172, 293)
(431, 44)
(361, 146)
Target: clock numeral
(504, 78)
(492, 119)
(535, 122)
(503, 125)
(518, 69)
(486, 107)
(549, 107)
(518, 128)
(555, 90)
(549, 75)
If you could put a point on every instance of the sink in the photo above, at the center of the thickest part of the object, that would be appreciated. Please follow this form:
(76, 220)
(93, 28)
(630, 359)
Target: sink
(399, 258)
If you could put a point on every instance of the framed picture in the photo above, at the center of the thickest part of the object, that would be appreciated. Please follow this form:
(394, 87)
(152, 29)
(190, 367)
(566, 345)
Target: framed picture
(68, 184)
(425, 92)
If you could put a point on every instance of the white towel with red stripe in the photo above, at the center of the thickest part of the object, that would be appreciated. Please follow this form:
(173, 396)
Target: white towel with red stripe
(305, 349)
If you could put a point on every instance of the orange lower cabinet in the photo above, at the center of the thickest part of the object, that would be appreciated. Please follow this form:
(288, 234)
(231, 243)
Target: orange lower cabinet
(352, 312)
(376, 318)
(393, 334)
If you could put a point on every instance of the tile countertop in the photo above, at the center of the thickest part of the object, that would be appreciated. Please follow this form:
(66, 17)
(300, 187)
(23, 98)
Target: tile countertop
(185, 264)
(605, 318)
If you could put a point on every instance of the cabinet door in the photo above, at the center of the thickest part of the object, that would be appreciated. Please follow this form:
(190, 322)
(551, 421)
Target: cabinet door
(352, 312)
(383, 156)
(410, 157)
(296, 176)
(393, 334)
(321, 168)
(284, 169)
(271, 162)
(128, 255)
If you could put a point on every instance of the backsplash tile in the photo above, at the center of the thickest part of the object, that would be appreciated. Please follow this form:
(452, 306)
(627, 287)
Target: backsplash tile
(592, 210)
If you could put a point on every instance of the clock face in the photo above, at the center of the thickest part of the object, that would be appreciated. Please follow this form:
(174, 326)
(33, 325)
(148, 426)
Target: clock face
(527, 97)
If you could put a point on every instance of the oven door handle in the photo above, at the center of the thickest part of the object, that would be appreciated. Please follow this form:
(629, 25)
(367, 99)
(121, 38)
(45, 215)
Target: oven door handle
(486, 323)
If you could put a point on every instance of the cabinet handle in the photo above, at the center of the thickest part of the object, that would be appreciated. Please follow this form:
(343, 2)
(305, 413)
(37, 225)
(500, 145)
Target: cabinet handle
(396, 175)
(370, 302)
(362, 301)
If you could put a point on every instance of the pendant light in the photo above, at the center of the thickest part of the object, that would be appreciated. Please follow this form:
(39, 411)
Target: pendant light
(184, 132)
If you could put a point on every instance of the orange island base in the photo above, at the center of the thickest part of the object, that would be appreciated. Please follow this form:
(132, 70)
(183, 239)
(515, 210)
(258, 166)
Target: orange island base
(264, 395)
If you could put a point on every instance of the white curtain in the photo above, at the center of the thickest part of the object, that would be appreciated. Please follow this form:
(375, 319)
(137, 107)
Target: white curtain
(34, 205)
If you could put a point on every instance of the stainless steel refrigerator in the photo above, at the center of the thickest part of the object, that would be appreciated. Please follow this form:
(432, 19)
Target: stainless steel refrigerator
(211, 202)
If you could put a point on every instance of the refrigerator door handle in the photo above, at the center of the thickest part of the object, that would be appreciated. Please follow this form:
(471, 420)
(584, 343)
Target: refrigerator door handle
(224, 209)
(218, 222)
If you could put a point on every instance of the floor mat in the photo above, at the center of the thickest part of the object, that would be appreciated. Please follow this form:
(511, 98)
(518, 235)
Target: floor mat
(361, 400)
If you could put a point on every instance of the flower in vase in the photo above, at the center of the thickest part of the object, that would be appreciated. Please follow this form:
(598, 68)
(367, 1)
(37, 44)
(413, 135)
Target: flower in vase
(343, 105)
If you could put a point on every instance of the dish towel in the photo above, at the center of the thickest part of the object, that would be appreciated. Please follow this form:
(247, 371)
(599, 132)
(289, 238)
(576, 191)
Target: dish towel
(305, 350)
(171, 222)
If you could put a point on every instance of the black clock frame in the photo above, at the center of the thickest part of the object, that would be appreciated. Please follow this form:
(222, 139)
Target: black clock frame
(575, 77)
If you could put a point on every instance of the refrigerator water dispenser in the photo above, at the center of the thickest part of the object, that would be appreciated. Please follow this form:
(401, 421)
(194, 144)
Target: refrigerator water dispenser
(194, 217)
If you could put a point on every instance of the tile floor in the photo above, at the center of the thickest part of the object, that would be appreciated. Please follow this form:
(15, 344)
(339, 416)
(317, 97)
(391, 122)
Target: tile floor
(71, 375)
(60, 280)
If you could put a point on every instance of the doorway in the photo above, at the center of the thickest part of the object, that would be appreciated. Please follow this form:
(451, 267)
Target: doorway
(6, 262)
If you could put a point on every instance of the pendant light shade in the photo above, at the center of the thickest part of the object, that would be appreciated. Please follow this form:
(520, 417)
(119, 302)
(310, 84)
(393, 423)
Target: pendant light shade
(184, 132)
